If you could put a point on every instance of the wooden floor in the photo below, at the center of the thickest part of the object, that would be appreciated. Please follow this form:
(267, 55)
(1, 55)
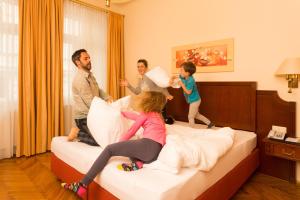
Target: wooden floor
(31, 179)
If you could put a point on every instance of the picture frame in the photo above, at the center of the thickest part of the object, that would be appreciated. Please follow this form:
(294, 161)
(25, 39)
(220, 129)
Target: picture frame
(213, 56)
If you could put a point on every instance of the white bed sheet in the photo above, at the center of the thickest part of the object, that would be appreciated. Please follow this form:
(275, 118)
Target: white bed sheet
(152, 184)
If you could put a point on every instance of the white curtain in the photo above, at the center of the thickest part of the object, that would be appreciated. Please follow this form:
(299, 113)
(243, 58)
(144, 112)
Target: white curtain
(84, 28)
(8, 75)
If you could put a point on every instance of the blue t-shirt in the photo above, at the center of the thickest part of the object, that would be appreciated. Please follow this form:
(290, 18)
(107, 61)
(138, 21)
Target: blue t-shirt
(190, 84)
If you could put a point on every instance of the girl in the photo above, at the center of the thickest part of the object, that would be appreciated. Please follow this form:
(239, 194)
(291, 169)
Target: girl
(191, 94)
(144, 150)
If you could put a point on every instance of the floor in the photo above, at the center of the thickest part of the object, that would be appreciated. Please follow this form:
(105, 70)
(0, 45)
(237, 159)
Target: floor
(31, 179)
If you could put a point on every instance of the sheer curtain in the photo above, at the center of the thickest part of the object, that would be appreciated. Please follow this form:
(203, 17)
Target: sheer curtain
(84, 28)
(8, 75)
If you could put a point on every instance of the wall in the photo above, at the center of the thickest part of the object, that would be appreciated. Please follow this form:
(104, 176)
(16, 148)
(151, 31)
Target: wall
(264, 31)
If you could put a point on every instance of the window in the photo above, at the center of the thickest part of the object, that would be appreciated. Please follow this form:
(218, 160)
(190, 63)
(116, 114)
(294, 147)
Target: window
(8, 50)
(84, 28)
(8, 75)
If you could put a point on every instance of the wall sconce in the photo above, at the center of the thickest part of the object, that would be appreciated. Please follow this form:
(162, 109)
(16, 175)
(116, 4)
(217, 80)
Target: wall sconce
(107, 3)
(290, 68)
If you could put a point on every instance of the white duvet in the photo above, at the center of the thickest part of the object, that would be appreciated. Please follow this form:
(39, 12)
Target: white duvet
(189, 147)
(185, 146)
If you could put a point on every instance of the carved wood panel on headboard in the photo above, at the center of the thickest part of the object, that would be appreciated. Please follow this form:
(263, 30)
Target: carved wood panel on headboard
(230, 104)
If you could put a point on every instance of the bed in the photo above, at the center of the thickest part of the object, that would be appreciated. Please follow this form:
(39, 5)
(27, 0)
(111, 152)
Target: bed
(188, 184)
(230, 104)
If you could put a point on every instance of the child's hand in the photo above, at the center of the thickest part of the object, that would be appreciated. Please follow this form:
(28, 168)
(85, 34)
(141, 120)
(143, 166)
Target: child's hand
(180, 83)
(109, 100)
(174, 82)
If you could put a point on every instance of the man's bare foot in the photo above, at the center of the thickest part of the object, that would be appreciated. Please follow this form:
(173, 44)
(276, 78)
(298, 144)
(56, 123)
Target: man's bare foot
(73, 133)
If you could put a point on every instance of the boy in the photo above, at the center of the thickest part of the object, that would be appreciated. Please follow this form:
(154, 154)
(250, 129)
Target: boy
(190, 91)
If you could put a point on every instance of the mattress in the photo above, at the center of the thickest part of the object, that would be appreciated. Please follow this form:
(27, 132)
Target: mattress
(148, 183)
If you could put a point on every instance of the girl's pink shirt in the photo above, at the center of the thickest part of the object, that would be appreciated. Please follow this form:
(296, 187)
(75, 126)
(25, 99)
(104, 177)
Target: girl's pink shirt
(153, 124)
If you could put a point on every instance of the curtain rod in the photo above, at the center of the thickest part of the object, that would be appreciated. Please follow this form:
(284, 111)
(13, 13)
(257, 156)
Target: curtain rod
(94, 7)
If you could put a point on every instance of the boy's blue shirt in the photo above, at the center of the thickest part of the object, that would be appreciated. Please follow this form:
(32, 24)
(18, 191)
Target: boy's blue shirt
(190, 84)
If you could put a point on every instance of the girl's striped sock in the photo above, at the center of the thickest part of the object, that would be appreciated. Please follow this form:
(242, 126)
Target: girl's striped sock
(76, 187)
(130, 166)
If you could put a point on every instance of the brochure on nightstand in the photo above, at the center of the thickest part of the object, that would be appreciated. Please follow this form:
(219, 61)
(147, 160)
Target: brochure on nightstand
(293, 140)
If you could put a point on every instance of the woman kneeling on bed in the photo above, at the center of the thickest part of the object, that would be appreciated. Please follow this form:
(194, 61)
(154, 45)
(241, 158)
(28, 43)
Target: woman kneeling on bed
(144, 150)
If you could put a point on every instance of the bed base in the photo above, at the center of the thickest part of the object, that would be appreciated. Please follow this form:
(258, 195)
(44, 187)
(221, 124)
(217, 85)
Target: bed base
(225, 188)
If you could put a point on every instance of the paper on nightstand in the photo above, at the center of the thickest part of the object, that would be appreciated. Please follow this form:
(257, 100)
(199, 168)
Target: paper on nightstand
(294, 140)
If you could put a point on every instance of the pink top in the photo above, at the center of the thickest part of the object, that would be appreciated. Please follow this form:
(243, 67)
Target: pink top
(153, 124)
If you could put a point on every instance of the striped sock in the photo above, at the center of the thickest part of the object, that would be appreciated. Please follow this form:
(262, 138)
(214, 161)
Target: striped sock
(76, 187)
(130, 166)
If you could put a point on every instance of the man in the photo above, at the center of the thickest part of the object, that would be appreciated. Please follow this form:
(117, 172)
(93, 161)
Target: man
(84, 88)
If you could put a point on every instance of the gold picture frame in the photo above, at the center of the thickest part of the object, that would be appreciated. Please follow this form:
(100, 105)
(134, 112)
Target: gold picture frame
(213, 56)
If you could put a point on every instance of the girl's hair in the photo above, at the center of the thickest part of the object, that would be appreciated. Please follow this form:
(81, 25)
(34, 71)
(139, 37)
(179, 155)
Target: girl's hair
(189, 67)
(144, 61)
(149, 101)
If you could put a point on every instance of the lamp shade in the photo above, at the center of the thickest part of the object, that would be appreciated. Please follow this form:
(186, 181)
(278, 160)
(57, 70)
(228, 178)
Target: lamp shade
(289, 66)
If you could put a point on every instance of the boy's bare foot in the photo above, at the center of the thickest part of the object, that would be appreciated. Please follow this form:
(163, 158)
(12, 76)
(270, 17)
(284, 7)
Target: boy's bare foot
(73, 133)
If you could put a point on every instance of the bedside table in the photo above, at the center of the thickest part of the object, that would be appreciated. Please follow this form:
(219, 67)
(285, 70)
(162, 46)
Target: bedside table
(282, 149)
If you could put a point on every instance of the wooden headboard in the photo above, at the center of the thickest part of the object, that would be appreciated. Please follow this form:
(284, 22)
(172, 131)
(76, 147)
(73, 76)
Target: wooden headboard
(230, 104)
(240, 106)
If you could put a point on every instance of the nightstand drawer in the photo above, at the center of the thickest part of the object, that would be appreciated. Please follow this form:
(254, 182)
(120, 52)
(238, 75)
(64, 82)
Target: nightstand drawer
(282, 150)
(286, 152)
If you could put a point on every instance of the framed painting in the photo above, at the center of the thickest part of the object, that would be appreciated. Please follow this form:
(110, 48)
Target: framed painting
(214, 56)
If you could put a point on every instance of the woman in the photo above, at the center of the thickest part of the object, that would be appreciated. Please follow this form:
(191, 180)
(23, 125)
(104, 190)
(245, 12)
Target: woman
(146, 84)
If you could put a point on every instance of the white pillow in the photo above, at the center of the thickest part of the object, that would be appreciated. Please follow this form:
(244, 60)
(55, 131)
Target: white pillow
(159, 76)
(122, 104)
(105, 122)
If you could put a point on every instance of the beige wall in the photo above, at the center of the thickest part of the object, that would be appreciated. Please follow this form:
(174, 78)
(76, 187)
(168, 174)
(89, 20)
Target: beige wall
(264, 31)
